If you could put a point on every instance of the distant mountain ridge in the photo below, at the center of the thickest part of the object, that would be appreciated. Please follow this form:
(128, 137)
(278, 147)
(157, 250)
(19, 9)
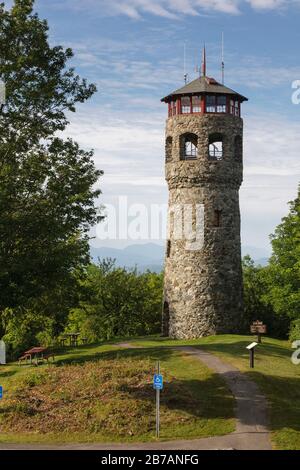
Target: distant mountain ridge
(151, 256)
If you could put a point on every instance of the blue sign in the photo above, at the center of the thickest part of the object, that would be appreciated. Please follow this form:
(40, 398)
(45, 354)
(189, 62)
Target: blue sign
(1, 392)
(158, 382)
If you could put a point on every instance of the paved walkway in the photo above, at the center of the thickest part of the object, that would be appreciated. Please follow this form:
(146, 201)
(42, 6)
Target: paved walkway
(251, 414)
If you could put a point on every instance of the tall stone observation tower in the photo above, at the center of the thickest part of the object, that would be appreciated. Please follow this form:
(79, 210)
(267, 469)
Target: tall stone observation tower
(203, 289)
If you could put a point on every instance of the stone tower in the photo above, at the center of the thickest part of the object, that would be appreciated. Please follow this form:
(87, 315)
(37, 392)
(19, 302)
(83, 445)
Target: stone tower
(203, 288)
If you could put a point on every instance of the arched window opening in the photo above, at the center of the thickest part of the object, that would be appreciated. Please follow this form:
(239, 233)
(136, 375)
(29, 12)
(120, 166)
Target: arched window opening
(189, 146)
(169, 144)
(190, 149)
(238, 148)
(216, 147)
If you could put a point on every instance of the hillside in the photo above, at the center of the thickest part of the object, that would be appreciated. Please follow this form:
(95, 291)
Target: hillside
(151, 255)
(103, 393)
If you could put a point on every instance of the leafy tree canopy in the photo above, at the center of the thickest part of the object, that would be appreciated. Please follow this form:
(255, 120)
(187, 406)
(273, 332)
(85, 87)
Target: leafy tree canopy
(284, 269)
(47, 184)
(117, 302)
(272, 293)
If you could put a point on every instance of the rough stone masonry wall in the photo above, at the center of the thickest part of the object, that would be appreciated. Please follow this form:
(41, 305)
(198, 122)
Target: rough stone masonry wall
(203, 288)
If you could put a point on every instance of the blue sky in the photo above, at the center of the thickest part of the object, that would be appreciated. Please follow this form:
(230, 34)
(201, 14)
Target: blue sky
(133, 51)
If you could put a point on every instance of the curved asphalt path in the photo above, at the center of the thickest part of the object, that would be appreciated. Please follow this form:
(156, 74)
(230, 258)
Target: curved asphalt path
(251, 418)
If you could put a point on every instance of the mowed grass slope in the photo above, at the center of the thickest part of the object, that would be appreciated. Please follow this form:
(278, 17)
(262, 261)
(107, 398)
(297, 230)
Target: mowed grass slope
(103, 393)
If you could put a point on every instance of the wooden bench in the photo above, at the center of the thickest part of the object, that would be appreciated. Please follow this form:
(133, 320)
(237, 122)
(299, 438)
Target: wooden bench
(36, 355)
(25, 357)
(62, 341)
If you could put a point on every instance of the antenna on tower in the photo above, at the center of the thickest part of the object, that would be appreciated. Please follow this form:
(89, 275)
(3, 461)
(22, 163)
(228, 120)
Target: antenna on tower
(185, 75)
(222, 60)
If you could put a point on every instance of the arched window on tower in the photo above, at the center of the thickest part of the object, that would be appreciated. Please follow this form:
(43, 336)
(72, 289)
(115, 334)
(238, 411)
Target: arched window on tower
(188, 147)
(169, 144)
(215, 147)
(238, 148)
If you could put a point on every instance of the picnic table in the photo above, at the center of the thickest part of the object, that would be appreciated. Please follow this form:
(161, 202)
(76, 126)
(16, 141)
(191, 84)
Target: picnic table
(36, 354)
(73, 338)
(63, 340)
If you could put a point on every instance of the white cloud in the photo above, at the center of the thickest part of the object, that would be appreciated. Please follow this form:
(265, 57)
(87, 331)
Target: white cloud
(172, 9)
(270, 145)
(129, 147)
(135, 9)
(271, 174)
(268, 4)
(117, 68)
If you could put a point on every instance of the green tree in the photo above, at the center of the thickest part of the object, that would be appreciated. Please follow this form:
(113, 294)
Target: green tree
(256, 305)
(283, 274)
(47, 184)
(253, 290)
(117, 302)
(272, 293)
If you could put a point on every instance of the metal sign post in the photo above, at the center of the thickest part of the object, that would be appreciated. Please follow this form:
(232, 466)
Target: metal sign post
(158, 404)
(252, 358)
(158, 386)
(251, 348)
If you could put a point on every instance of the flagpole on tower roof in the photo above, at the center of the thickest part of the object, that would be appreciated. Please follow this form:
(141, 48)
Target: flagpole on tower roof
(204, 62)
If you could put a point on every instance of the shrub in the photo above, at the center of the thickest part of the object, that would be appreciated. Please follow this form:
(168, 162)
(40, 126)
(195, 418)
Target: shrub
(295, 331)
(24, 330)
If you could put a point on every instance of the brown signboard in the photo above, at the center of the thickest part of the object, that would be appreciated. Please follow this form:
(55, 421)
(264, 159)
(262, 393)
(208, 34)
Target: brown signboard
(262, 329)
(258, 327)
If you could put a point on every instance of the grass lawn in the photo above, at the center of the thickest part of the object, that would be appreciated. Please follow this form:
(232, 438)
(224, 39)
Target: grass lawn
(274, 372)
(102, 393)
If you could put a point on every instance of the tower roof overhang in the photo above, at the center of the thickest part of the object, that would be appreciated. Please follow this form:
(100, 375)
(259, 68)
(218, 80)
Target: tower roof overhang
(202, 86)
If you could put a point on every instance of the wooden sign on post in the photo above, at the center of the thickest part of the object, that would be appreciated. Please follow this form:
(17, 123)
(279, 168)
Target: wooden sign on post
(258, 328)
